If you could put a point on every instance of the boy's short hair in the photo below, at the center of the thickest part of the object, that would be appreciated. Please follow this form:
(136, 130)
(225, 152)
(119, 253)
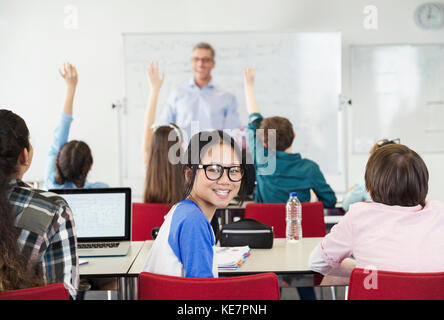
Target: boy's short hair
(397, 175)
(207, 46)
(277, 128)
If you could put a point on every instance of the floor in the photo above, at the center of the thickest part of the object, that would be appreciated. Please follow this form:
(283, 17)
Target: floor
(286, 294)
(322, 293)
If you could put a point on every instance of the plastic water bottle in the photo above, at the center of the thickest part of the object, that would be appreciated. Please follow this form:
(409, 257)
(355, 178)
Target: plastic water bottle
(294, 219)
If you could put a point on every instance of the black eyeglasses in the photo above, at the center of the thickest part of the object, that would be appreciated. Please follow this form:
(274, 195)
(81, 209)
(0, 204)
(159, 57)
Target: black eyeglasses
(385, 142)
(214, 172)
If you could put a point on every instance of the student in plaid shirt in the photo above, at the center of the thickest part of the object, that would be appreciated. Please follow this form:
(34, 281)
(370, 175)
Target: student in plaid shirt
(38, 242)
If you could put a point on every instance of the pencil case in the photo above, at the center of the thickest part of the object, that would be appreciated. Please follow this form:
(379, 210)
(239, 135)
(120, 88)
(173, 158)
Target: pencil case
(247, 232)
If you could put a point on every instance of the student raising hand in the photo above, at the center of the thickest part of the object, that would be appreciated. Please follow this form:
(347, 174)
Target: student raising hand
(249, 91)
(69, 73)
(249, 77)
(154, 79)
(68, 162)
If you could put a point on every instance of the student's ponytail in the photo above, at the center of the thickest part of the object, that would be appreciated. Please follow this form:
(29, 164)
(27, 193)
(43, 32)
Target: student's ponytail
(14, 137)
(73, 163)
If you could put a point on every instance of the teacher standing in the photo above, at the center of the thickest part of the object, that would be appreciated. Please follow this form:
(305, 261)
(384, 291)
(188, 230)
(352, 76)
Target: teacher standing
(200, 104)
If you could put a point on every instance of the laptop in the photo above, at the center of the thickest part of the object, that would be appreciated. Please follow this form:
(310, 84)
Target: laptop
(102, 218)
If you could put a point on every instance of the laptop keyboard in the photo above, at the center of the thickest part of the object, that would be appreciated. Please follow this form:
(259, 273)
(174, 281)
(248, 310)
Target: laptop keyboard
(98, 245)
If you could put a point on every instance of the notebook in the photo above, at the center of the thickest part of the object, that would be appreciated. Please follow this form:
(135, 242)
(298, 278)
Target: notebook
(102, 218)
(231, 258)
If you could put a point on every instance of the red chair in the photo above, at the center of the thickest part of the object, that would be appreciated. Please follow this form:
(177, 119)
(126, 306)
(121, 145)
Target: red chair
(273, 214)
(147, 216)
(264, 286)
(56, 291)
(386, 285)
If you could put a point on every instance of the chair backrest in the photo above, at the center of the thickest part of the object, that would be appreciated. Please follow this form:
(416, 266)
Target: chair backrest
(264, 286)
(145, 217)
(273, 214)
(55, 291)
(386, 285)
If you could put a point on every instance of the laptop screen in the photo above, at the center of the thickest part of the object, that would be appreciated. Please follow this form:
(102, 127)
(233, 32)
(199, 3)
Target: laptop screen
(99, 214)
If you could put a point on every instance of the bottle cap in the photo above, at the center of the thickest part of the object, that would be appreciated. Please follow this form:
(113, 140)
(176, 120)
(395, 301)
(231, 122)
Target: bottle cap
(293, 194)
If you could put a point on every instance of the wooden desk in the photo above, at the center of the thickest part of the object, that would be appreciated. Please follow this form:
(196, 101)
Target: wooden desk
(113, 267)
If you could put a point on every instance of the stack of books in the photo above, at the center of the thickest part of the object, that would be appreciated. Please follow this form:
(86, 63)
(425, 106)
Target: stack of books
(231, 258)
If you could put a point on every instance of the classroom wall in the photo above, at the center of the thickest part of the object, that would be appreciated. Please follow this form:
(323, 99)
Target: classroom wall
(34, 42)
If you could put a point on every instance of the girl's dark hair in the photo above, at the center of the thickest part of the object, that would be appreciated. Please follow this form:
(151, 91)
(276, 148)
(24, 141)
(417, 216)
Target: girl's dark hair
(73, 163)
(164, 180)
(14, 137)
(198, 147)
(397, 175)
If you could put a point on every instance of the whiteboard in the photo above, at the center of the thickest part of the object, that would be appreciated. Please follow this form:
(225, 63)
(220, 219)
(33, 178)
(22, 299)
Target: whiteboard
(298, 76)
(398, 92)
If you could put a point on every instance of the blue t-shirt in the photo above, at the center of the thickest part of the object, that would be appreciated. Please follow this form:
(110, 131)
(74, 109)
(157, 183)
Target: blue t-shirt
(185, 245)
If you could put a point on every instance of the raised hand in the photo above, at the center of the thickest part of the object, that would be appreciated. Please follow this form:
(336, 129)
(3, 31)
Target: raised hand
(249, 91)
(69, 73)
(154, 79)
(249, 77)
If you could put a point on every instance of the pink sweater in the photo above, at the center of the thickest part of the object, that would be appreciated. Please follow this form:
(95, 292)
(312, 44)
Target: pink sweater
(390, 238)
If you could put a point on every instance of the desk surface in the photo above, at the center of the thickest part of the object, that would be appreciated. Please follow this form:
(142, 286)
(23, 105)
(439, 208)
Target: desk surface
(111, 266)
(283, 258)
(138, 265)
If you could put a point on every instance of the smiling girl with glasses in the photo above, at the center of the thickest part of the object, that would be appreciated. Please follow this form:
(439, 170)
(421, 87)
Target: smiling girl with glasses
(214, 174)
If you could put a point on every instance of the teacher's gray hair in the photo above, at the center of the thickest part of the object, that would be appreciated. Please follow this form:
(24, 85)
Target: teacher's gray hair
(205, 45)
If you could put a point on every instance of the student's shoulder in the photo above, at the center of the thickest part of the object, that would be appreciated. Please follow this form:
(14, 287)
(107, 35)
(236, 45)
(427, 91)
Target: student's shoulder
(309, 164)
(46, 201)
(363, 208)
(96, 185)
(188, 212)
(51, 197)
(435, 205)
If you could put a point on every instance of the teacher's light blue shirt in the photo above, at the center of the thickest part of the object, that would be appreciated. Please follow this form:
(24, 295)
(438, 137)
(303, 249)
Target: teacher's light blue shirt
(194, 109)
